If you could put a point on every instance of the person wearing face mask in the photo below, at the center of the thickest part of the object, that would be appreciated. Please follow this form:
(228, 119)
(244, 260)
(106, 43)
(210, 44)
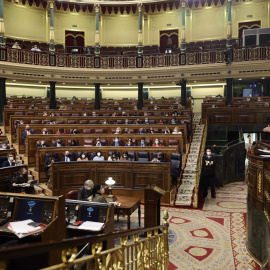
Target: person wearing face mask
(58, 142)
(9, 162)
(157, 143)
(141, 131)
(167, 131)
(146, 121)
(99, 142)
(27, 131)
(43, 143)
(208, 163)
(85, 192)
(82, 157)
(67, 157)
(104, 122)
(125, 156)
(98, 156)
(21, 181)
(126, 121)
(4, 145)
(118, 130)
(97, 194)
(117, 142)
(113, 157)
(143, 143)
(129, 142)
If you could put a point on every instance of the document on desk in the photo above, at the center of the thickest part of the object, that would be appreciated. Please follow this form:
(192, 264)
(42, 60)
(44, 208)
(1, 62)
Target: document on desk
(265, 151)
(22, 228)
(91, 226)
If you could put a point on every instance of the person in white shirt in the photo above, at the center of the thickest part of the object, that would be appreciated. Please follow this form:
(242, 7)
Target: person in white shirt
(99, 156)
(35, 49)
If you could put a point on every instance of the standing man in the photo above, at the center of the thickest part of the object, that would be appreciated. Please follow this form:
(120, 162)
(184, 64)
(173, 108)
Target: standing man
(209, 162)
(27, 131)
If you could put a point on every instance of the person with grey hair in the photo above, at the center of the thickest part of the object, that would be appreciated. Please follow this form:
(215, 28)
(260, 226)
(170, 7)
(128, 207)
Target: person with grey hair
(85, 192)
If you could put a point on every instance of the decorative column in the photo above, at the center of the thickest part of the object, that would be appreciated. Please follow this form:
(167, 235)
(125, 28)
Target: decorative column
(140, 46)
(183, 84)
(97, 96)
(183, 28)
(97, 35)
(2, 25)
(52, 95)
(229, 91)
(52, 49)
(229, 33)
(3, 100)
(140, 96)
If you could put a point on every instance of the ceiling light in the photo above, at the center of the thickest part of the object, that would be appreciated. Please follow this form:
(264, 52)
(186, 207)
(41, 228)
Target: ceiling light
(64, 83)
(14, 80)
(240, 79)
(263, 78)
(217, 80)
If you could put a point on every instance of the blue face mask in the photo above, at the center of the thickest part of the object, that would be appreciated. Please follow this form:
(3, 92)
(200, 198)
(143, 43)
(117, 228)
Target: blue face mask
(116, 140)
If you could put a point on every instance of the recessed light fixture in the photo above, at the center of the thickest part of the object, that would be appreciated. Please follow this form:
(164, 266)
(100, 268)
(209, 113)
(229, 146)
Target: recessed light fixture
(173, 82)
(240, 79)
(86, 84)
(14, 80)
(151, 83)
(40, 82)
(64, 83)
(108, 84)
(195, 81)
(217, 80)
(263, 78)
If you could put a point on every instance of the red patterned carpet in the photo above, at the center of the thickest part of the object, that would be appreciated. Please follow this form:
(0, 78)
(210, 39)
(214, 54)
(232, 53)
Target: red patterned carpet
(212, 238)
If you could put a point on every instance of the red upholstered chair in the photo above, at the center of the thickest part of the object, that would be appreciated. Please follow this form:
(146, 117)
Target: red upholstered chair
(35, 121)
(59, 122)
(29, 113)
(84, 121)
(71, 122)
(174, 142)
(93, 122)
(99, 131)
(88, 142)
(88, 131)
(65, 114)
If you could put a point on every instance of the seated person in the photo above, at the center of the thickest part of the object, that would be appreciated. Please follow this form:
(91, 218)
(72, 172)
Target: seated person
(72, 143)
(126, 121)
(113, 157)
(27, 131)
(75, 131)
(143, 142)
(167, 131)
(94, 114)
(16, 46)
(85, 192)
(118, 130)
(104, 122)
(135, 108)
(129, 142)
(173, 121)
(125, 156)
(43, 143)
(4, 145)
(117, 142)
(97, 197)
(157, 143)
(82, 157)
(61, 131)
(99, 142)
(151, 130)
(146, 120)
(141, 131)
(45, 114)
(58, 143)
(127, 131)
(9, 162)
(48, 163)
(67, 157)
(159, 158)
(45, 131)
(21, 183)
(99, 156)
(51, 122)
(161, 121)
(176, 131)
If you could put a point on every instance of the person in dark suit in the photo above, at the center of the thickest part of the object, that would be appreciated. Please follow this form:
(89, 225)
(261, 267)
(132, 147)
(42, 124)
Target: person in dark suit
(97, 191)
(43, 143)
(21, 181)
(85, 192)
(143, 142)
(67, 157)
(117, 142)
(99, 142)
(9, 162)
(58, 143)
(27, 131)
(4, 145)
(209, 162)
(48, 164)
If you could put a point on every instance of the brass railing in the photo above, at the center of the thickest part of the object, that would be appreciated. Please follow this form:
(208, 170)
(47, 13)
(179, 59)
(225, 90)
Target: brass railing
(151, 252)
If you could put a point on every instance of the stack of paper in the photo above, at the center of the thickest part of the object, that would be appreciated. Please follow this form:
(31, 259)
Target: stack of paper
(22, 228)
(91, 226)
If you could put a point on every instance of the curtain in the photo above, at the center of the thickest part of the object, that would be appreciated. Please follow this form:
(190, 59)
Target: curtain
(74, 39)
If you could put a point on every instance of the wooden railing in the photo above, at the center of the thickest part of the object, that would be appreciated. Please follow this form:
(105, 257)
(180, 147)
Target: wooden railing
(151, 252)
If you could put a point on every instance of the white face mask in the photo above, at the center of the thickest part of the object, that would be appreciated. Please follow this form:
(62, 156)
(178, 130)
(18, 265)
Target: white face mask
(11, 158)
(88, 188)
(98, 154)
(208, 153)
(102, 190)
(157, 142)
(124, 156)
(83, 156)
(4, 146)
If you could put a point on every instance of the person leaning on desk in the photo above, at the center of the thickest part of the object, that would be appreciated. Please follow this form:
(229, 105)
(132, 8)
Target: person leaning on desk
(85, 192)
(21, 183)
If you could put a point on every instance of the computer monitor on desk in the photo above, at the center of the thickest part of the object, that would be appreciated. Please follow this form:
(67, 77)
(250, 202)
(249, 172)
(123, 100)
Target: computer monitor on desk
(36, 209)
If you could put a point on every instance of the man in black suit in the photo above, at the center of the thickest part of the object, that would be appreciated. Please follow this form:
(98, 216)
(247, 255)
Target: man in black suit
(9, 162)
(27, 131)
(117, 142)
(143, 142)
(209, 162)
(58, 143)
(67, 157)
(99, 142)
(85, 192)
(43, 143)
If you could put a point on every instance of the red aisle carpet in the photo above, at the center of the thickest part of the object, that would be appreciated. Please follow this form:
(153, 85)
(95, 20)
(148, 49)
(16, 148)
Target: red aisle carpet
(212, 238)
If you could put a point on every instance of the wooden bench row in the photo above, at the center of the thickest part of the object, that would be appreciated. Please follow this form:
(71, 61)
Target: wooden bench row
(59, 151)
(88, 140)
